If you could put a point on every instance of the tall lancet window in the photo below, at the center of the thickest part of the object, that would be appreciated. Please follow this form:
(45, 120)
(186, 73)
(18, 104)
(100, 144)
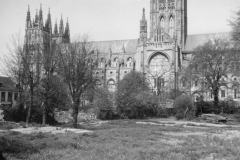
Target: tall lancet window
(162, 24)
(171, 26)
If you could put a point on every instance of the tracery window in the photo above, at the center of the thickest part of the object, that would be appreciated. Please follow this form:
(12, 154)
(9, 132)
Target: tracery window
(129, 62)
(183, 82)
(222, 93)
(115, 63)
(235, 92)
(111, 86)
(162, 23)
(171, 26)
(159, 66)
(101, 63)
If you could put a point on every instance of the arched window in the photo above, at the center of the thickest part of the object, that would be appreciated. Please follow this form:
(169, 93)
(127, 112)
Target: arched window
(129, 62)
(195, 82)
(171, 26)
(101, 63)
(223, 91)
(111, 85)
(162, 23)
(235, 92)
(183, 82)
(115, 63)
(159, 66)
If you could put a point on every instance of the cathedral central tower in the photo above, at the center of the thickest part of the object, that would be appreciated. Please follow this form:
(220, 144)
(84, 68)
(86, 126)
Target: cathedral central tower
(171, 16)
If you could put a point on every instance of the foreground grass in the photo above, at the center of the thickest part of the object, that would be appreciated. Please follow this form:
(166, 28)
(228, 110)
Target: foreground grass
(126, 140)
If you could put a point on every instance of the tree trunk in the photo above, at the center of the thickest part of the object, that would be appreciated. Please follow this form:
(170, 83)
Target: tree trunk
(30, 107)
(215, 94)
(75, 114)
(44, 113)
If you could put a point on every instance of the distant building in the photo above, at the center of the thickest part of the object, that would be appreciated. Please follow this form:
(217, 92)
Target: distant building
(8, 91)
(160, 55)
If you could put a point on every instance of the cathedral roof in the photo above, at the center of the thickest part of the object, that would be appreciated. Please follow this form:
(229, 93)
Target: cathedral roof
(194, 40)
(130, 46)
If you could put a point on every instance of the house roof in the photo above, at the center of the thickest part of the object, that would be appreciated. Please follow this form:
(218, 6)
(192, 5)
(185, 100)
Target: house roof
(7, 84)
(194, 40)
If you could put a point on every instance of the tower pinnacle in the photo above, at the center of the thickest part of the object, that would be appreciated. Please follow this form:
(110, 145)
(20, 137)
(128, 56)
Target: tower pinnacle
(61, 28)
(56, 28)
(28, 19)
(143, 16)
(143, 28)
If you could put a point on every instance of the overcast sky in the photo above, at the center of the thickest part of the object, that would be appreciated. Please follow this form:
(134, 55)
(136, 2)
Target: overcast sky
(110, 19)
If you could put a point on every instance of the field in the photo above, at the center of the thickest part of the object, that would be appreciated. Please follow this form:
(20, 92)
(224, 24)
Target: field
(124, 139)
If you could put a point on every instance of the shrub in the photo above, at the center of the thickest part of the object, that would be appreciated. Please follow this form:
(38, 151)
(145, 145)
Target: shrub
(103, 102)
(130, 99)
(18, 113)
(228, 106)
(162, 112)
(183, 106)
(146, 104)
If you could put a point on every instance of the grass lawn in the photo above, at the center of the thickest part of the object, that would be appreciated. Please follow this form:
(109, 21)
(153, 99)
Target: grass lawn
(124, 139)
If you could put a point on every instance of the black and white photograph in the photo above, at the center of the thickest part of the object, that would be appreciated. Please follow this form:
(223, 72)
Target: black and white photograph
(120, 80)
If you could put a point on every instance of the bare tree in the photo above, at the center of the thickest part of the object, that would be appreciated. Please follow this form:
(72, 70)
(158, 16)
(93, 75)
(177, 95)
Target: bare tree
(212, 61)
(23, 64)
(48, 88)
(32, 66)
(77, 62)
(13, 60)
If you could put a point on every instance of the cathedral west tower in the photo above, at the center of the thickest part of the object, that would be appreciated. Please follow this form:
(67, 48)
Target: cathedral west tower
(159, 56)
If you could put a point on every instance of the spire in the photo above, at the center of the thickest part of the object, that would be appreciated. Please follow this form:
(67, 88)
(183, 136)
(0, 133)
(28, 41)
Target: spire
(67, 28)
(28, 19)
(28, 14)
(143, 15)
(36, 16)
(55, 28)
(143, 28)
(40, 13)
(49, 22)
(61, 28)
(40, 17)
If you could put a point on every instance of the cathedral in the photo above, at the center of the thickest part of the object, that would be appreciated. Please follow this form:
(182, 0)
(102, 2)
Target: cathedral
(160, 55)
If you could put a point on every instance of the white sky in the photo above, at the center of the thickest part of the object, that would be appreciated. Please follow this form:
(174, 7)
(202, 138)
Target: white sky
(110, 19)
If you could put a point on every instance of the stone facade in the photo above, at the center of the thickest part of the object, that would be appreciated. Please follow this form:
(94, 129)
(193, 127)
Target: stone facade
(158, 56)
(162, 55)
